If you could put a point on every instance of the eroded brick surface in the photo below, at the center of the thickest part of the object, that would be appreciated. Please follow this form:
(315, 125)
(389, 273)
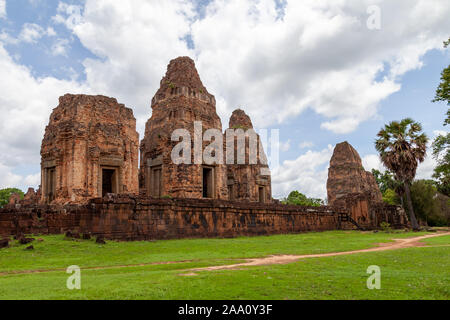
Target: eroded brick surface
(85, 135)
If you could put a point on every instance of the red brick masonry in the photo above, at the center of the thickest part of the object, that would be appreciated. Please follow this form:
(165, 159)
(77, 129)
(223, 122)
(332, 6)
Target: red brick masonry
(135, 218)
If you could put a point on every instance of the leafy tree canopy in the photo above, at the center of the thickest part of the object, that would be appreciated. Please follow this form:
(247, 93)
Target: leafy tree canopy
(5, 194)
(441, 145)
(443, 91)
(426, 202)
(299, 199)
(391, 197)
(386, 181)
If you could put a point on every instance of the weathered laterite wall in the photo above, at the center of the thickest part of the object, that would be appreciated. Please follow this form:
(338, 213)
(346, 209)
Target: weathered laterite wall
(370, 215)
(130, 218)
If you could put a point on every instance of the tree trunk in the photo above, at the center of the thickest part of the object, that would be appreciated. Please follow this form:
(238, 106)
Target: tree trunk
(412, 216)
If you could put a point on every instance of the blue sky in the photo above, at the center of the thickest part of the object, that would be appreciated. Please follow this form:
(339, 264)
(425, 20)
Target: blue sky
(313, 71)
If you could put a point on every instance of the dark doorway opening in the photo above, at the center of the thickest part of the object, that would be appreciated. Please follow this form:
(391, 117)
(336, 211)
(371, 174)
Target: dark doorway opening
(231, 192)
(262, 195)
(156, 182)
(108, 181)
(208, 183)
(51, 184)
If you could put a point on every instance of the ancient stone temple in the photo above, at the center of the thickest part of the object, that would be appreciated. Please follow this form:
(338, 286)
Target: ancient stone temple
(90, 148)
(180, 102)
(347, 176)
(247, 181)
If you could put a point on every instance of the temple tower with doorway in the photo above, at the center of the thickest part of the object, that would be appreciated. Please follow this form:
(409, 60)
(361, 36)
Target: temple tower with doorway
(90, 149)
(180, 101)
(248, 180)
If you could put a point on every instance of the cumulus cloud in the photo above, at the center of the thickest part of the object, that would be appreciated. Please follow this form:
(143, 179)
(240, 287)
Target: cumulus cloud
(135, 40)
(31, 32)
(60, 47)
(285, 146)
(306, 144)
(319, 55)
(2, 9)
(307, 174)
(372, 161)
(316, 54)
(25, 105)
(274, 61)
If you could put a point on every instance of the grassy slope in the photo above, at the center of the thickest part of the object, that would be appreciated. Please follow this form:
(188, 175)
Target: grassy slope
(415, 273)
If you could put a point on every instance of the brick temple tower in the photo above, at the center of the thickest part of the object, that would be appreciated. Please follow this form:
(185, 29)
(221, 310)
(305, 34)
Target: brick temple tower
(180, 101)
(90, 148)
(250, 181)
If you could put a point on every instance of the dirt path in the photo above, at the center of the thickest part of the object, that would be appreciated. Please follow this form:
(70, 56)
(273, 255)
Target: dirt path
(285, 259)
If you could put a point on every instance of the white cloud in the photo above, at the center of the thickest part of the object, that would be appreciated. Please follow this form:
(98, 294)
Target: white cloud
(51, 32)
(306, 144)
(372, 161)
(31, 32)
(285, 146)
(9, 179)
(307, 174)
(136, 40)
(2, 8)
(25, 105)
(60, 47)
(69, 15)
(317, 55)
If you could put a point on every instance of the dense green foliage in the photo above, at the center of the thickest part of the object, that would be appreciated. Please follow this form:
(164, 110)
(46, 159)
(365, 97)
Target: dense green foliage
(5, 194)
(296, 198)
(391, 189)
(441, 152)
(427, 204)
(413, 273)
(441, 145)
(443, 91)
(385, 180)
(391, 197)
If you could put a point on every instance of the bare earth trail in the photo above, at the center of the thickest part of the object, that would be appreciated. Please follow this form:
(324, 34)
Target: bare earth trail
(271, 260)
(285, 259)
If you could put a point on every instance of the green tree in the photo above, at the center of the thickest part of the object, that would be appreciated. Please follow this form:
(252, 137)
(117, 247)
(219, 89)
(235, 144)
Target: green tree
(388, 184)
(441, 145)
(296, 198)
(427, 203)
(441, 152)
(402, 146)
(443, 91)
(385, 180)
(391, 197)
(5, 194)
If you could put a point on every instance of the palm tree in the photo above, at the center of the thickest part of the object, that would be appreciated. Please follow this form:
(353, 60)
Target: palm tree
(402, 146)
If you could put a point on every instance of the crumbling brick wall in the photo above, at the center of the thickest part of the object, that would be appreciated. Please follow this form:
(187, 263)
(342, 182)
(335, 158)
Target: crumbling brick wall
(131, 218)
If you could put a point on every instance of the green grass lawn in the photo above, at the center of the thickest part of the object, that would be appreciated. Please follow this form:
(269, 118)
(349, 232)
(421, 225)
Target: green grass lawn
(413, 273)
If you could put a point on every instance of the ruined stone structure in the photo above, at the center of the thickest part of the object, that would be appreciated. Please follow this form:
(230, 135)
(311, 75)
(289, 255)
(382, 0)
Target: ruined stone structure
(125, 217)
(90, 148)
(247, 181)
(354, 190)
(182, 102)
(91, 182)
(346, 175)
